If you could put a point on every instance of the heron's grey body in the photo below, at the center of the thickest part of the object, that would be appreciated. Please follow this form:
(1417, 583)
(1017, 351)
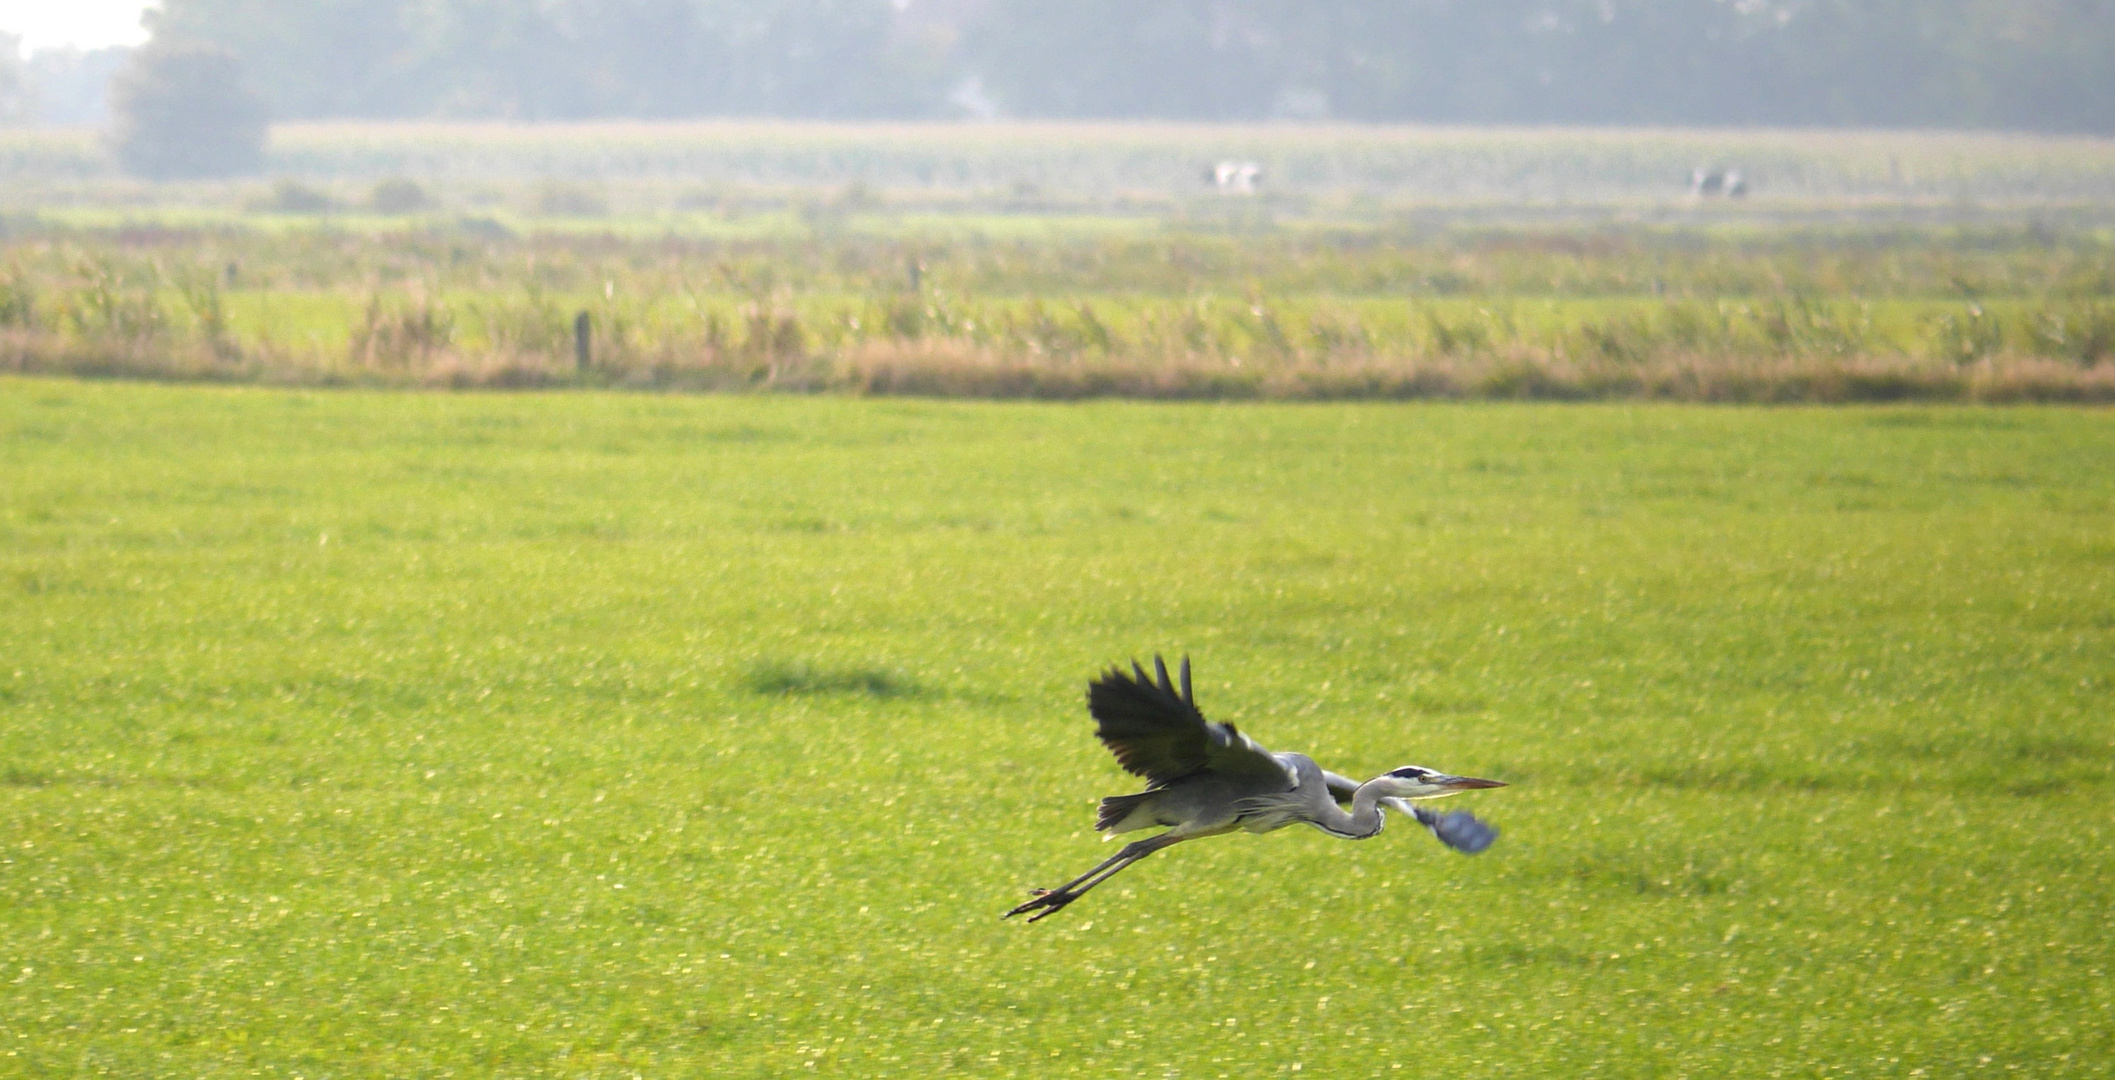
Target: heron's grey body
(1206, 778)
(1209, 803)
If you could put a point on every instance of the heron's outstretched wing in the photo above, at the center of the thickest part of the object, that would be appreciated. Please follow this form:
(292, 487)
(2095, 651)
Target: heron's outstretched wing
(1156, 732)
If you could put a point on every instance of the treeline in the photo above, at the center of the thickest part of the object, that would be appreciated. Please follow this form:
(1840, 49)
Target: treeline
(2028, 64)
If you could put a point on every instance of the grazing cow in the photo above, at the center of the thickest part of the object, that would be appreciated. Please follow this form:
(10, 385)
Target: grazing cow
(1704, 183)
(1235, 177)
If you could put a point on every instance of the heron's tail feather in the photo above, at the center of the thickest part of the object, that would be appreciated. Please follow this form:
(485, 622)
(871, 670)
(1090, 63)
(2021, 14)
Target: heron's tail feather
(1117, 808)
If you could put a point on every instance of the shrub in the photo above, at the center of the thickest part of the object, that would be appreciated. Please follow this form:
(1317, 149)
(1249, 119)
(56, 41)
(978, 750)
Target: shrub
(399, 196)
(570, 200)
(18, 300)
(294, 197)
(111, 306)
(1968, 337)
(2083, 334)
(406, 334)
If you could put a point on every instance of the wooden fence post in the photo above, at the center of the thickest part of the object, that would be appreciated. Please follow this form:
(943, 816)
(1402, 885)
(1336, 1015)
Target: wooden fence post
(583, 341)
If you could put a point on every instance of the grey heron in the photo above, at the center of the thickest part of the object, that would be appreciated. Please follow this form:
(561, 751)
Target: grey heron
(1205, 779)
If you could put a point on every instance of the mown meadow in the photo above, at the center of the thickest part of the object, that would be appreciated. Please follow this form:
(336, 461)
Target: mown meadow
(360, 733)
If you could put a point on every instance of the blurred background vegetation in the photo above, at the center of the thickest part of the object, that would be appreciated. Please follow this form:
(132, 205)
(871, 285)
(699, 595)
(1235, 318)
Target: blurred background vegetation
(2015, 64)
(1995, 313)
(1002, 197)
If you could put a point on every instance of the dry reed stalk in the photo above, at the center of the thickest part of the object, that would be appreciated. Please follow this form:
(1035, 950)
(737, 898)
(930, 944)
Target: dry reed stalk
(39, 352)
(2031, 380)
(942, 368)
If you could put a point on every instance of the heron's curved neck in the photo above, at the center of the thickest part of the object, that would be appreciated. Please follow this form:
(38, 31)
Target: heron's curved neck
(1363, 821)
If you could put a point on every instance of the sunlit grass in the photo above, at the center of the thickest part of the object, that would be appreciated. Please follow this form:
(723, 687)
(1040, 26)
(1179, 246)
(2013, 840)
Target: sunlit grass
(589, 735)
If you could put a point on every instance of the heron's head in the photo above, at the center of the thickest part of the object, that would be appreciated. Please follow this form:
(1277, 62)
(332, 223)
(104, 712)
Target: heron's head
(1418, 782)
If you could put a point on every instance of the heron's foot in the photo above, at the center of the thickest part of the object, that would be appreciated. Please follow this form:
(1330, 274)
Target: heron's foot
(1045, 903)
(1460, 830)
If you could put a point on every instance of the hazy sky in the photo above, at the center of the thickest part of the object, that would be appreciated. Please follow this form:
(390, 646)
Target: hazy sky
(89, 24)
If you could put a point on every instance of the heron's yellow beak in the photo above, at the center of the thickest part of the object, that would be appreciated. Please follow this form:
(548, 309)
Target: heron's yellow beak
(1470, 783)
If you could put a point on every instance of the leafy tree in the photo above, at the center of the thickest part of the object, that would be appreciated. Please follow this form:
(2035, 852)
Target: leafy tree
(18, 98)
(315, 57)
(569, 59)
(183, 111)
(1171, 58)
(72, 86)
(1991, 63)
(1996, 63)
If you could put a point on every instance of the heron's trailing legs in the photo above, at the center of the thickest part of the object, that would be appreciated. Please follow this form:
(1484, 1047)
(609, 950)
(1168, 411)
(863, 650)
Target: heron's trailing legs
(1457, 829)
(1050, 901)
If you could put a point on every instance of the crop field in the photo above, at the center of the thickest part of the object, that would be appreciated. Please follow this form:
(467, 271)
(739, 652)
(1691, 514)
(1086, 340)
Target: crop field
(363, 733)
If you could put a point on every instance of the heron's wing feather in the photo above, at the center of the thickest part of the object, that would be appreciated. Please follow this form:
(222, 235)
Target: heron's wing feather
(1155, 730)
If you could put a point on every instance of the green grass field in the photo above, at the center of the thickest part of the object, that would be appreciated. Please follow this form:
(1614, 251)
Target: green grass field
(1125, 169)
(593, 735)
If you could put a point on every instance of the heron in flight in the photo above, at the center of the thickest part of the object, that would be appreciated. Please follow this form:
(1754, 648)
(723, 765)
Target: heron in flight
(1205, 778)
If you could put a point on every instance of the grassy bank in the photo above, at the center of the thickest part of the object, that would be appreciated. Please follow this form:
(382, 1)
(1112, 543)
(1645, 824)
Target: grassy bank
(1709, 314)
(591, 735)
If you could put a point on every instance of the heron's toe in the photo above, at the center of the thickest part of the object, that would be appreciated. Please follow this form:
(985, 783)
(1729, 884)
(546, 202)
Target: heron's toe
(1047, 901)
(1051, 910)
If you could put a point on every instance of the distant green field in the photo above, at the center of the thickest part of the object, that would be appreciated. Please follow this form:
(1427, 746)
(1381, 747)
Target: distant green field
(699, 176)
(591, 735)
